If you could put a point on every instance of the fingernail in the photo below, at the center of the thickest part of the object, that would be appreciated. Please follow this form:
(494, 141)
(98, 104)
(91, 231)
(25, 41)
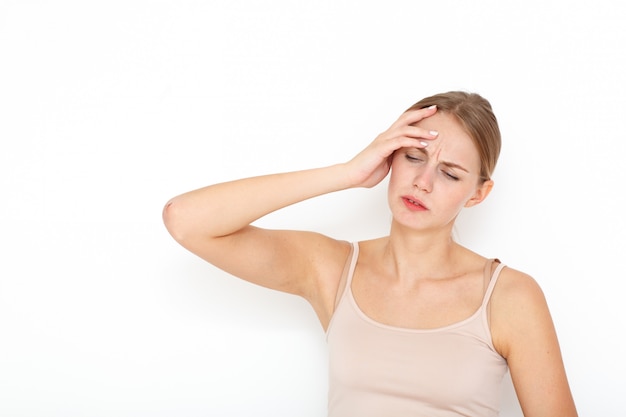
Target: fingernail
(423, 143)
(434, 106)
(434, 132)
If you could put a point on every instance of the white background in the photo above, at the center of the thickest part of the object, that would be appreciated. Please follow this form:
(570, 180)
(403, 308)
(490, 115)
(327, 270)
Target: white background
(108, 109)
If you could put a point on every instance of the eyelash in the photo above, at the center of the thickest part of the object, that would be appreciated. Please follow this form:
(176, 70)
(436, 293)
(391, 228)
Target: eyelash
(447, 174)
(413, 159)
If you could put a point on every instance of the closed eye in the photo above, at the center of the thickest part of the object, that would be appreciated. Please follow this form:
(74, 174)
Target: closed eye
(413, 158)
(450, 176)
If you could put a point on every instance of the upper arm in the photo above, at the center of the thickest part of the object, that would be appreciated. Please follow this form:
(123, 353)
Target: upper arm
(284, 260)
(302, 263)
(524, 334)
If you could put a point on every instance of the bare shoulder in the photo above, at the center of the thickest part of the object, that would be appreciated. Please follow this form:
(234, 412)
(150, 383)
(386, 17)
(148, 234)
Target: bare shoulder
(517, 302)
(516, 286)
(328, 258)
(523, 333)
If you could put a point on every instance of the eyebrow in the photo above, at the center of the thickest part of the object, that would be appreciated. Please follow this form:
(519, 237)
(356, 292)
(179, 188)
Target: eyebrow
(446, 163)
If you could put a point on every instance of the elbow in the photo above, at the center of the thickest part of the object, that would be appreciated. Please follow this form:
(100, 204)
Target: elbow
(174, 219)
(190, 224)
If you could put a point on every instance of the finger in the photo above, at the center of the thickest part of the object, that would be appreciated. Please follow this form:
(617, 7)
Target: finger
(405, 142)
(409, 137)
(419, 133)
(414, 116)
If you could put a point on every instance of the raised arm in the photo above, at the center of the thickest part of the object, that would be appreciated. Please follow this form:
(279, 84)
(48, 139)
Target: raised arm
(214, 222)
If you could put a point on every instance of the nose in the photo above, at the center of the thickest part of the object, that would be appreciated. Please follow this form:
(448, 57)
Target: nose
(424, 180)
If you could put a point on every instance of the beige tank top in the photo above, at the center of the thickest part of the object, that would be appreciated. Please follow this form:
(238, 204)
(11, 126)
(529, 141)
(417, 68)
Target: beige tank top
(377, 370)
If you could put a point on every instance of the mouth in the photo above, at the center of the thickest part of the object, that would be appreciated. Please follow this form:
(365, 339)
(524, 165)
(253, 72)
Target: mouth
(414, 204)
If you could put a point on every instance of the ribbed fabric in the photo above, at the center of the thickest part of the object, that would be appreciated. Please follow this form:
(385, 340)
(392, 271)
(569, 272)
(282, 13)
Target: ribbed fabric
(378, 370)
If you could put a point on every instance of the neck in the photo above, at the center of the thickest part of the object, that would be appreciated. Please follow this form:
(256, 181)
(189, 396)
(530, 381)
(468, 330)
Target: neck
(413, 255)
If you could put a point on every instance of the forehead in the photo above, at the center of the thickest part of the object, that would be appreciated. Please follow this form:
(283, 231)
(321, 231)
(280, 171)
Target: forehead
(447, 125)
(453, 143)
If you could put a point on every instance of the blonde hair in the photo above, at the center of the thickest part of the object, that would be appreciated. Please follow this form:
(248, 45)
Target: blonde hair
(477, 118)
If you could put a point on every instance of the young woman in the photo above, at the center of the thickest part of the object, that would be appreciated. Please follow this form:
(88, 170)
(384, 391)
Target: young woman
(417, 324)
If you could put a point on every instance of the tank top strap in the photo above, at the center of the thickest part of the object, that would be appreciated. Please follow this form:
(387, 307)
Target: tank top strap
(493, 279)
(348, 271)
(355, 257)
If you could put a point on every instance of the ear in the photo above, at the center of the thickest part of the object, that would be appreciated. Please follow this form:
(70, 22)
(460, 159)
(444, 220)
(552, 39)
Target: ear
(481, 193)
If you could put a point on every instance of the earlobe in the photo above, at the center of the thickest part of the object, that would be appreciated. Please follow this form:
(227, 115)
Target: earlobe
(481, 193)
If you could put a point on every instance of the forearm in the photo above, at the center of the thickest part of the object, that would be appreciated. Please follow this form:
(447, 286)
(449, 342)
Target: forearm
(222, 209)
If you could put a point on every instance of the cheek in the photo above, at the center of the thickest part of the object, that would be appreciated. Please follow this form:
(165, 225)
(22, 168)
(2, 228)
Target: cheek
(396, 174)
(457, 197)
(393, 181)
(467, 196)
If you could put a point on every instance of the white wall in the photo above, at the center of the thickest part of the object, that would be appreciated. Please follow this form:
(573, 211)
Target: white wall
(108, 109)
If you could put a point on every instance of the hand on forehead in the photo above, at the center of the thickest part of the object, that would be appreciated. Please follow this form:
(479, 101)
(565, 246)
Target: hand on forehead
(453, 144)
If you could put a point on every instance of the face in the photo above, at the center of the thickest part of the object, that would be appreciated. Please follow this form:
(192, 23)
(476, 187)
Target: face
(429, 187)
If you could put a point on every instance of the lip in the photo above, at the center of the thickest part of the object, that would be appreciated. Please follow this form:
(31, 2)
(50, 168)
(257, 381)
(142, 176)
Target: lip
(413, 203)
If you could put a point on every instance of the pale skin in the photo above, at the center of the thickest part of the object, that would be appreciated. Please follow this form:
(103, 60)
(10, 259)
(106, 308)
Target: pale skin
(417, 277)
